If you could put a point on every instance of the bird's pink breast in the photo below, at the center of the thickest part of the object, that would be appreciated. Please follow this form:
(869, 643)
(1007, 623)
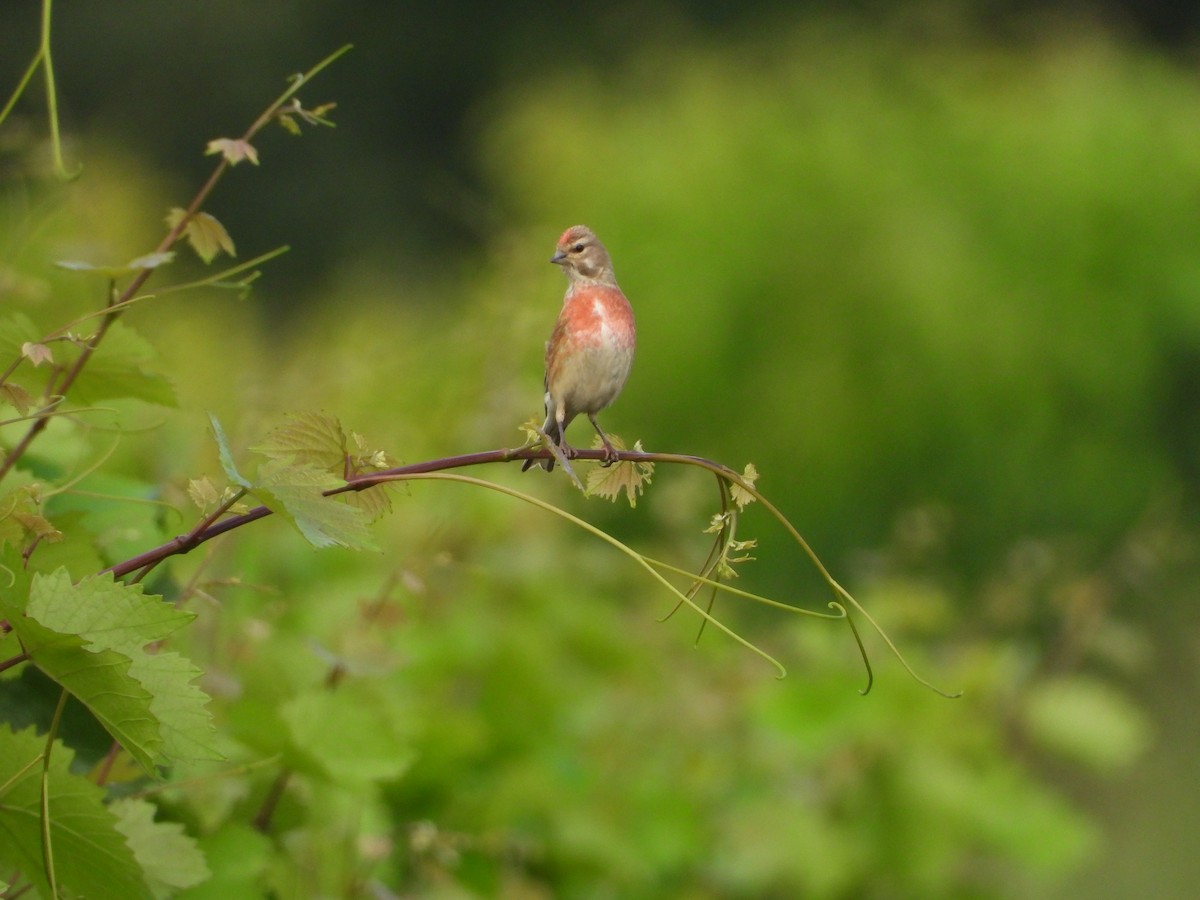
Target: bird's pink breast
(591, 351)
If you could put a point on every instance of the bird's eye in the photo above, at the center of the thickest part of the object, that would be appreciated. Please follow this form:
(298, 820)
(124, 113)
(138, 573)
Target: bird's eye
(578, 248)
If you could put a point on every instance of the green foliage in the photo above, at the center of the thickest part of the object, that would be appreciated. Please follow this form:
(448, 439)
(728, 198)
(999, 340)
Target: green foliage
(100, 641)
(168, 857)
(91, 855)
(490, 708)
(204, 233)
(307, 459)
(297, 494)
(1086, 719)
(120, 368)
(90, 637)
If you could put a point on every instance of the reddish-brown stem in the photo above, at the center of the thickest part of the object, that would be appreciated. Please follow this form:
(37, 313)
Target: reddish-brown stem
(13, 661)
(190, 539)
(107, 763)
(4, 376)
(262, 819)
(187, 542)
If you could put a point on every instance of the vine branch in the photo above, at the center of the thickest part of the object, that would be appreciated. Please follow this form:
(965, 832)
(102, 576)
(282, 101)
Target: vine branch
(118, 303)
(843, 600)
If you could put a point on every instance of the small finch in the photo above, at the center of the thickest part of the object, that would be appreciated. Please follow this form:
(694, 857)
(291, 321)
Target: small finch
(591, 348)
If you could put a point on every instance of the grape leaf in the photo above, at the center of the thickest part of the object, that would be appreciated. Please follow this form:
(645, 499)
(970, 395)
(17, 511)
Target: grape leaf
(235, 150)
(226, 455)
(532, 429)
(37, 353)
(21, 501)
(295, 492)
(308, 439)
(740, 495)
(238, 856)
(117, 617)
(91, 857)
(17, 330)
(147, 261)
(17, 397)
(151, 260)
(104, 271)
(375, 502)
(206, 235)
(289, 124)
(169, 858)
(99, 680)
(121, 367)
(318, 441)
(90, 637)
(319, 720)
(203, 493)
(628, 476)
(1087, 720)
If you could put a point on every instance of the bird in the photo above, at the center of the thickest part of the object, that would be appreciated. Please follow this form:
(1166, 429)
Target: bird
(590, 351)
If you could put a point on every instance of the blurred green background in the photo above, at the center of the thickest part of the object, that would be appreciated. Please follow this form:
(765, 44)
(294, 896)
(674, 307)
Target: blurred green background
(934, 269)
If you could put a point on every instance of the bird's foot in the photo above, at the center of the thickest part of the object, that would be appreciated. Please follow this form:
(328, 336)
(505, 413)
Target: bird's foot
(610, 453)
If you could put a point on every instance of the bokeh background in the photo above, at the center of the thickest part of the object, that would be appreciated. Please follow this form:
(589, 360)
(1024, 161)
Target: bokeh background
(933, 268)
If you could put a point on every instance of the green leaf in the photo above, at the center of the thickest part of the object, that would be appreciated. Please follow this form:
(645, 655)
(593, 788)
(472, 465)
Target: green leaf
(375, 502)
(354, 734)
(99, 680)
(238, 856)
(308, 439)
(113, 617)
(295, 492)
(104, 271)
(204, 494)
(91, 857)
(148, 261)
(630, 477)
(184, 722)
(1087, 720)
(121, 367)
(169, 858)
(17, 330)
(118, 514)
(17, 397)
(151, 260)
(289, 124)
(225, 455)
(21, 339)
(90, 637)
(740, 495)
(204, 233)
(316, 116)
(1000, 805)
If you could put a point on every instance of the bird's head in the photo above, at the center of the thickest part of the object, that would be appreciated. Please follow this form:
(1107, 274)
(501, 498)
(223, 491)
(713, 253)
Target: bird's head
(582, 256)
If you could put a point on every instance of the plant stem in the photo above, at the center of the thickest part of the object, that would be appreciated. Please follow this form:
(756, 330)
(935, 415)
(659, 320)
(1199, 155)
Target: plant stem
(117, 304)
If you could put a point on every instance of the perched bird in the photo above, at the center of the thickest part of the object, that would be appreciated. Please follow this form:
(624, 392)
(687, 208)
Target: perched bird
(591, 348)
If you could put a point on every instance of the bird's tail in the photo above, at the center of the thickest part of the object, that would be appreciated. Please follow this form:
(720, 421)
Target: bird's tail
(552, 432)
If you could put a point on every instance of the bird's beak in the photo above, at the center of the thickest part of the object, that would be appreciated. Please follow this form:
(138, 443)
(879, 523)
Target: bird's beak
(559, 258)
